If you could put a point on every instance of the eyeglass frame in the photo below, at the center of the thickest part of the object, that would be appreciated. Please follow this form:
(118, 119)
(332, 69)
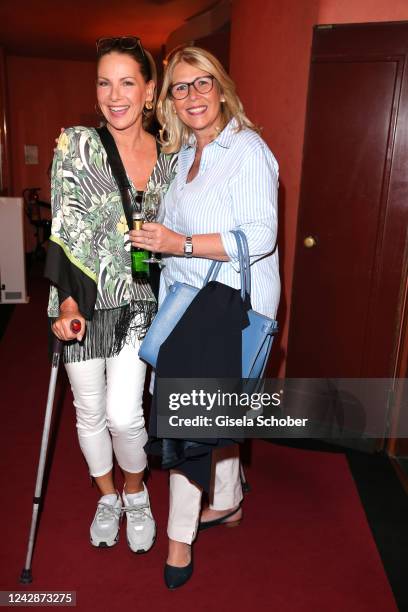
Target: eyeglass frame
(119, 39)
(192, 83)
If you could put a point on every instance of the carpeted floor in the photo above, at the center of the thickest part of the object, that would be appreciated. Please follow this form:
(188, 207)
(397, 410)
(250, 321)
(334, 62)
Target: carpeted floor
(304, 544)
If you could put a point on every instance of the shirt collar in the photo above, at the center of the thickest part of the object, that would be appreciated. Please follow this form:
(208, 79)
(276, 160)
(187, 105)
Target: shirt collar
(224, 139)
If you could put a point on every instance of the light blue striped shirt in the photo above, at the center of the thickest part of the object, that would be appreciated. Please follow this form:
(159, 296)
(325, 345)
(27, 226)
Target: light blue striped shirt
(236, 187)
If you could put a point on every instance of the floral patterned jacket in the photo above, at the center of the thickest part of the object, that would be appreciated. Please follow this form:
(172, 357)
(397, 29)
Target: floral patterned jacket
(89, 254)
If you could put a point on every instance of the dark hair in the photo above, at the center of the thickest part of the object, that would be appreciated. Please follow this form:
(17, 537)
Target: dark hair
(131, 46)
(137, 53)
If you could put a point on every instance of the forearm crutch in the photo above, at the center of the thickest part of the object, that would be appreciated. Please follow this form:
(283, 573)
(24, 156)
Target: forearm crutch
(26, 575)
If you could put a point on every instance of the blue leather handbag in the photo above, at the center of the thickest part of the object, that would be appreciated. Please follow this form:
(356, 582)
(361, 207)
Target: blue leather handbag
(257, 337)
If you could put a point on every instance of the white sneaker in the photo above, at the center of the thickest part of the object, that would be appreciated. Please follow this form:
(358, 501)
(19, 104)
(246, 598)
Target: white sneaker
(105, 526)
(141, 526)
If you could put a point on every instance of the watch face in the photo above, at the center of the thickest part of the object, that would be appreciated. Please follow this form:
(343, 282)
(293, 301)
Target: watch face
(188, 247)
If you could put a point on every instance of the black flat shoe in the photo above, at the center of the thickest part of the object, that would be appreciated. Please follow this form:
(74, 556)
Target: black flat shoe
(221, 521)
(175, 577)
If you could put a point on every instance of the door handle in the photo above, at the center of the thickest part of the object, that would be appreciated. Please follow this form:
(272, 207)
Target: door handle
(309, 242)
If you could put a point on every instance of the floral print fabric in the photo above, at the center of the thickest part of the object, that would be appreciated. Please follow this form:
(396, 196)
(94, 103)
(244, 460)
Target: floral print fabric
(88, 219)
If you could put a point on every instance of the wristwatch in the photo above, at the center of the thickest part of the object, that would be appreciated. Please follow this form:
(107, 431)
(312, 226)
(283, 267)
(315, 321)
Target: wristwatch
(188, 247)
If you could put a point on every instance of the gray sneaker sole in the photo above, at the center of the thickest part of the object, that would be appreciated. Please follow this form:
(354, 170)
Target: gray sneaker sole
(104, 544)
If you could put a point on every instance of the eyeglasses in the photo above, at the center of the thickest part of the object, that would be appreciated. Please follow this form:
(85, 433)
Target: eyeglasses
(202, 84)
(126, 43)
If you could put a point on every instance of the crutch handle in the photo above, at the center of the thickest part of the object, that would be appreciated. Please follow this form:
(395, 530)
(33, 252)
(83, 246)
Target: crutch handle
(57, 344)
(76, 326)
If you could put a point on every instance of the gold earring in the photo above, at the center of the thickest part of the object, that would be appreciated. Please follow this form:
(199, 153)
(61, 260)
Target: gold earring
(148, 105)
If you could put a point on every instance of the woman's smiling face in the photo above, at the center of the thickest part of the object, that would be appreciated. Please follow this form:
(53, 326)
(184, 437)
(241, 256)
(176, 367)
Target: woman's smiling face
(121, 90)
(200, 112)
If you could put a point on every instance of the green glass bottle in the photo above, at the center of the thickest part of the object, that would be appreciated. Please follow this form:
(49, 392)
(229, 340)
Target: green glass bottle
(140, 269)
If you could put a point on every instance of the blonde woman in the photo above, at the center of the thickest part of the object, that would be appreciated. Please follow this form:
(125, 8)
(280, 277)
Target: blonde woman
(227, 178)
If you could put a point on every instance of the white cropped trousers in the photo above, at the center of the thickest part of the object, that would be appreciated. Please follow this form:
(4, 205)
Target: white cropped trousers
(108, 397)
(185, 496)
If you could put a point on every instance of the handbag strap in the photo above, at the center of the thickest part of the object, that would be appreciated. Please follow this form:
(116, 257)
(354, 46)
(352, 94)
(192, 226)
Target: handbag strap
(243, 257)
(212, 272)
(244, 265)
(118, 171)
(244, 262)
(247, 261)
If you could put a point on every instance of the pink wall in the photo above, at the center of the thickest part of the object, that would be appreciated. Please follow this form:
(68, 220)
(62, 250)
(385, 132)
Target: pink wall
(270, 54)
(362, 11)
(43, 95)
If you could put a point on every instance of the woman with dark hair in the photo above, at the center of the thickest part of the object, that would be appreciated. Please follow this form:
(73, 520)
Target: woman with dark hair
(227, 179)
(89, 266)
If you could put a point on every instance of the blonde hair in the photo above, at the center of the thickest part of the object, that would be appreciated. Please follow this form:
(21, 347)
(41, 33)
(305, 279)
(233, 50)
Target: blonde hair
(174, 133)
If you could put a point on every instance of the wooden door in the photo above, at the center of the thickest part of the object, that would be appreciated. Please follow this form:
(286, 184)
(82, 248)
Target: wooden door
(353, 218)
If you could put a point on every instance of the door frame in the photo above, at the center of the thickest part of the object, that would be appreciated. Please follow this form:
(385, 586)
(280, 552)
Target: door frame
(399, 446)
